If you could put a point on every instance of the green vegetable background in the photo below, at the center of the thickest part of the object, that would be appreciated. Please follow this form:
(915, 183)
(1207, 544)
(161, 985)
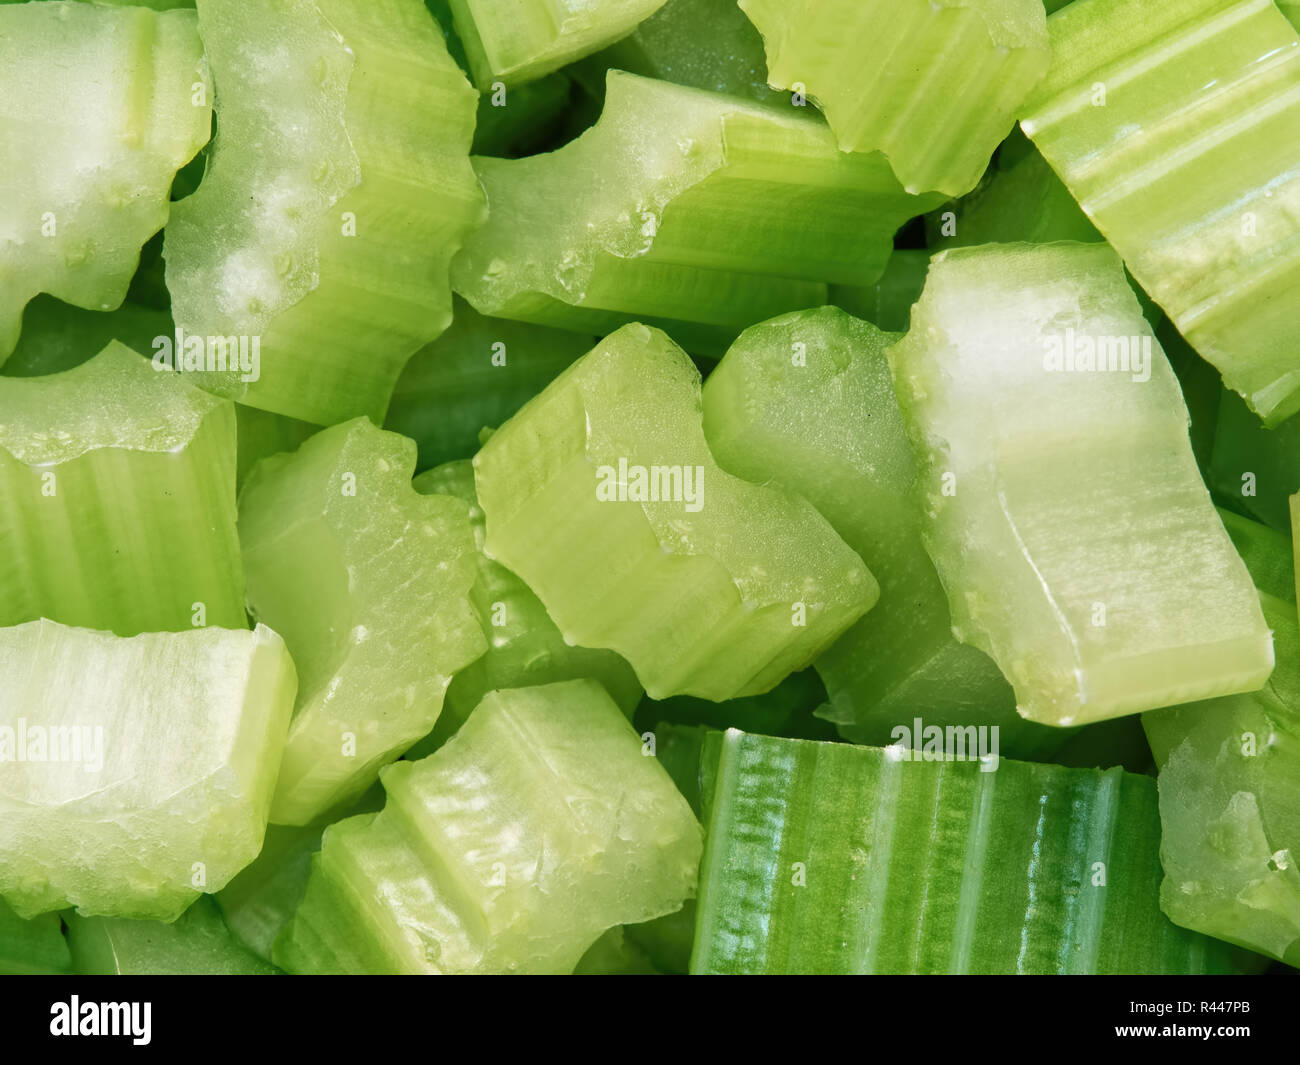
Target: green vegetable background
(634, 487)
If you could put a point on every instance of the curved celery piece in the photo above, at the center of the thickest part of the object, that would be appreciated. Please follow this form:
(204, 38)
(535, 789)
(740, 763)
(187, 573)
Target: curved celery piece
(197, 943)
(681, 208)
(117, 500)
(831, 858)
(1175, 128)
(1254, 469)
(602, 495)
(87, 173)
(887, 303)
(320, 242)
(1230, 791)
(369, 584)
(806, 401)
(136, 772)
(525, 648)
(525, 40)
(32, 948)
(537, 827)
(1096, 575)
(943, 92)
(477, 374)
(57, 336)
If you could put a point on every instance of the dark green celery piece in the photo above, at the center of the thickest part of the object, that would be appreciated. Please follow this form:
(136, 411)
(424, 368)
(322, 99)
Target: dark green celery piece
(667, 940)
(786, 710)
(708, 44)
(262, 434)
(524, 646)
(1174, 126)
(31, 948)
(1266, 552)
(1255, 470)
(888, 303)
(615, 954)
(478, 373)
(197, 943)
(689, 210)
(786, 406)
(58, 336)
(368, 581)
(831, 858)
(523, 120)
(117, 500)
(1203, 390)
(1291, 9)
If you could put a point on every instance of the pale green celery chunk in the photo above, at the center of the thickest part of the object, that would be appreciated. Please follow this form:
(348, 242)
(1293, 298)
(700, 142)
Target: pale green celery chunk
(57, 336)
(135, 773)
(117, 500)
(1064, 509)
(198, 943)
(602, 495)
(681, 208)
(540, 825)
(99, 109)
(1230, 791)
(806, 401)
(521, 41)
(525, 648)
(1174, 126)
(30, 948)
(1255, 469)
(369, 584)
(320, 239)
(477, 374)
(942, 86)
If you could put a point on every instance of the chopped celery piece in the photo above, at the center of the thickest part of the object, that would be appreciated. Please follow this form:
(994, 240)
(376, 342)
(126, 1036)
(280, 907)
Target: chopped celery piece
(1254, 469)
(1230, 790)
(477, 374)
(667, 940)
(521, 41)
(806, 401)
(369, 584)
(691, 210)
(1174, 126)
(57, 336)
(786, 710)
(888, 303)
(261, 434)
(942, 88)
(615, 954)
(135, 773)
(1266, 552)
(1064, 510)
(1291, 9)
(602, 495)
(708, 44)
(198, 943)
(522, 120)
(525, 648)
(117, 500)
(99, 109)
(318, 244)
(1203, 390)
(830, 858)
(540, 825)
(32, 948)
(678, 749)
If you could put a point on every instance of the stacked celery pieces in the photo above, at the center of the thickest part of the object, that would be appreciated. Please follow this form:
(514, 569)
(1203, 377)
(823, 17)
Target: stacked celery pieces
(281, 704)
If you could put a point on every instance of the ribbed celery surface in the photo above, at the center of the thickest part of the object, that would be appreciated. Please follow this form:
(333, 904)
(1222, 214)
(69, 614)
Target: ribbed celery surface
(369, 584)
(476, 375)
(198, 943)
(325, 235)
(806, 401)
(1175, 127)
(522, 41)
(602, 495)
(941, 88)
(525, 648)
(136, 773)
(1230, 784)
(99, 109)
(30, 948)
(1064, 509)
(691, 210)
(537, 827)
(117, 500)
(831, 858)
